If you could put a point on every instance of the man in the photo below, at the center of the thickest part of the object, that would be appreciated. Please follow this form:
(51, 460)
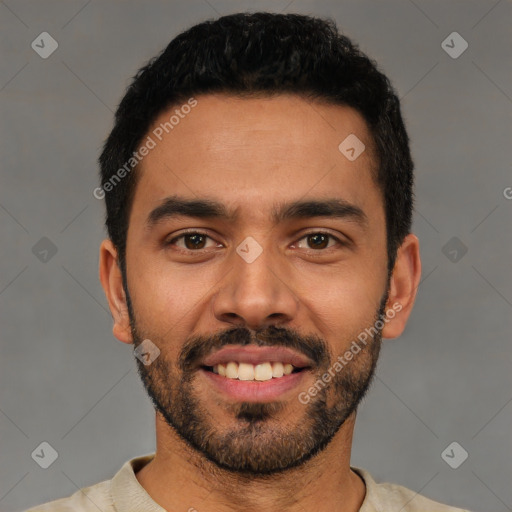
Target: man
(258, 185)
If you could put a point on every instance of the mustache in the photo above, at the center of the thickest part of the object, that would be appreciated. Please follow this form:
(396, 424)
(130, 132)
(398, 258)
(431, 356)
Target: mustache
(198, 347)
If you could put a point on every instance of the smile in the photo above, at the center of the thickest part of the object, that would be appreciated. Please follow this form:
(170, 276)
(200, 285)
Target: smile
(254, 373)
(247, 371)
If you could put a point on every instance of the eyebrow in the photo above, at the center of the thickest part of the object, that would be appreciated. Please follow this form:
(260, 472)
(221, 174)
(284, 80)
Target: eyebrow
(176, 206)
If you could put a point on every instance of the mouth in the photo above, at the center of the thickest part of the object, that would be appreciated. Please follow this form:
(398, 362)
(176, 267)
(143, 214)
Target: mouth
(253, 373)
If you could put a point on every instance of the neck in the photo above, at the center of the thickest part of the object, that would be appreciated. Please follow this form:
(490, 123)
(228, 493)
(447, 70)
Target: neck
(179, 478)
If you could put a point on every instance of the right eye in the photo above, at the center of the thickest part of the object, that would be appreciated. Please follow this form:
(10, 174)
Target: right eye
(192, 241)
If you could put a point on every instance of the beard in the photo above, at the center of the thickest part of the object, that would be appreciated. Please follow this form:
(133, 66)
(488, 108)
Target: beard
(257, 442)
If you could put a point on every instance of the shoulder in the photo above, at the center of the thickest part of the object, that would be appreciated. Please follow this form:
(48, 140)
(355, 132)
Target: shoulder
(93, 498)
(122, 492)
(387, 497)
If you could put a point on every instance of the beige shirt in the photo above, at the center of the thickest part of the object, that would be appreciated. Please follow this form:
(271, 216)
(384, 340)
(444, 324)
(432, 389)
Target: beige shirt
(124, 494)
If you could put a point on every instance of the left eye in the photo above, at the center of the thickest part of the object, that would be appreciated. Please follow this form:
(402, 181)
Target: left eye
(319, 240)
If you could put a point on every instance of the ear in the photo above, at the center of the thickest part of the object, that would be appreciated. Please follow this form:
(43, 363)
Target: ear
(403, 286)
(112, 282)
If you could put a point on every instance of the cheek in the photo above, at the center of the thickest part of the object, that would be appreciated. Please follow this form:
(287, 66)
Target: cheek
(166, 299)
(342, 302)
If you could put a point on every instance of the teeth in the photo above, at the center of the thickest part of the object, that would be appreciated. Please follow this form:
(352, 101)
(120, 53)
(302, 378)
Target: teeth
(263, 371)
(232, 370)
(277, 370)
(247, 371)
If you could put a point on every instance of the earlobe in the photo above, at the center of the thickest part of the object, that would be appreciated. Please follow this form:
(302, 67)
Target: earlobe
(112, 283)
(403, 286)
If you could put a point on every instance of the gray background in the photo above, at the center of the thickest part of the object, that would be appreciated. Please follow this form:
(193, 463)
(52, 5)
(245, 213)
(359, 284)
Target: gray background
(64, 378)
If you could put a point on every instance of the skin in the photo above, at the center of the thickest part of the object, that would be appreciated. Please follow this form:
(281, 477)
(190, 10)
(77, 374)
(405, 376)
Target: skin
(251, 154)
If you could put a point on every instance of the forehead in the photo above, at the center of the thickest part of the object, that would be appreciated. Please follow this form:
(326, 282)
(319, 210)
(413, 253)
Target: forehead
(251, 153)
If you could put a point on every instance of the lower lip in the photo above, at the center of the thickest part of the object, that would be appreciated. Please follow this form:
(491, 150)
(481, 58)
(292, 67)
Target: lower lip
(255, 391)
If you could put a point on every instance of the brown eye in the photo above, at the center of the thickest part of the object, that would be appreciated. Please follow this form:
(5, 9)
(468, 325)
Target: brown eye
(318, 241)
(193, 241)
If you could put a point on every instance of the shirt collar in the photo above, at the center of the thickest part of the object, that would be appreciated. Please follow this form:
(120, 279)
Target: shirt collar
(128, 495)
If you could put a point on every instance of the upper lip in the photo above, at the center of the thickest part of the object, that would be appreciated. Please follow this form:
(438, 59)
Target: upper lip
(256, 355)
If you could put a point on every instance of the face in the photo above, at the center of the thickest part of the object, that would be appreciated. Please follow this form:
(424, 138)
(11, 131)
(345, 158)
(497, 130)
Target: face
(255, 248)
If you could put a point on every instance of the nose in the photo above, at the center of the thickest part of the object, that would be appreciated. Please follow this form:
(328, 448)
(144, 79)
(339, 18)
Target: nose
(256, 294)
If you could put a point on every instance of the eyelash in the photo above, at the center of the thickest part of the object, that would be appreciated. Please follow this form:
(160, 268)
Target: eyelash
(199, 251)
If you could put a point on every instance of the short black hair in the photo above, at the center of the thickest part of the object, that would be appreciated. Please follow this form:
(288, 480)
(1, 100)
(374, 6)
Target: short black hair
(248, 54)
